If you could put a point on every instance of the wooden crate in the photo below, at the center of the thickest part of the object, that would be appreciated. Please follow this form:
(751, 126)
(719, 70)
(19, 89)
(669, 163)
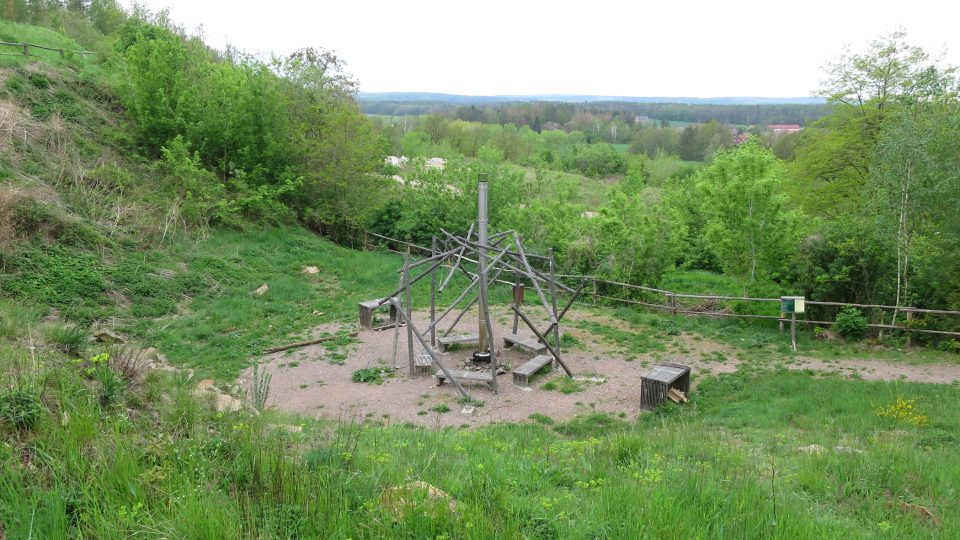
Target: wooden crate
(655, 384)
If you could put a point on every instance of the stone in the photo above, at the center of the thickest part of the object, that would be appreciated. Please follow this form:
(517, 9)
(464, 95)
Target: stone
(287, 427)
(812, 449)
(223, 402)
(310, 270)
(261, 290)
(107, 336)
(398, 500)
(468, 410)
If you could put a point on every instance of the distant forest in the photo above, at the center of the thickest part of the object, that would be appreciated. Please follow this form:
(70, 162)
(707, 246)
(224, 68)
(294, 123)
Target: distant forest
(537, 114)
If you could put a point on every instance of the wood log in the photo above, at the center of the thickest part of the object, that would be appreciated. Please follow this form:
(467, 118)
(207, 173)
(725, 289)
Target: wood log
(307, 342)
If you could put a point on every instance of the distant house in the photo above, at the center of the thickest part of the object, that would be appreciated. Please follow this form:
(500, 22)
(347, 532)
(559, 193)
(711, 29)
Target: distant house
(639, 119)
(784, 129)
(551, 126)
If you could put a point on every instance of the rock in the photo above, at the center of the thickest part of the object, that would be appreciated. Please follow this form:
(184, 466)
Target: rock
(107, 336)
(166, 274)
(223, 402)
(847, 450)
(287, 427)
(310, 270)
(468, 410)
(261, 290)
(226, 403)
(398, 500)
(812, 449)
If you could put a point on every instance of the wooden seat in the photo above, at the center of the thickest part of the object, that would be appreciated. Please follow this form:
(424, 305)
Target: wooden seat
(521, 375)
(422, 364)
(528, 343)
(367, 308)
(446, 341)
(656, 383)
(465, 376)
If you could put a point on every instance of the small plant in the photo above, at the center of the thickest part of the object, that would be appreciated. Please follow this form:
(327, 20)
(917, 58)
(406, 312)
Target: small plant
(259, 388)
(564, 385)
(20, 407)
(67, 338)
(670, 327)
(903, 410)
(129, 363)
(440, 408)
(372, 375)
(470, 401)
(949, 345)
(851, 323)
(112, 386)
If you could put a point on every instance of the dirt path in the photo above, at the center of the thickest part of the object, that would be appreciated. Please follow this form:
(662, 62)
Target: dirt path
(316, 380)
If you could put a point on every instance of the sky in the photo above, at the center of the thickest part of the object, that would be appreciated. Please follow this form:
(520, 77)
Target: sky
(632, 48)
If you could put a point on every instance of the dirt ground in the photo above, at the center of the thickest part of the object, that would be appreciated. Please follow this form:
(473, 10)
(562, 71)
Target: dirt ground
(316, 380)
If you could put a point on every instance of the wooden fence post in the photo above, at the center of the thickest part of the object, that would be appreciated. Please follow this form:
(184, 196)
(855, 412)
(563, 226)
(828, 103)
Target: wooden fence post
(909, 321)
(793, 331)
(26, 49)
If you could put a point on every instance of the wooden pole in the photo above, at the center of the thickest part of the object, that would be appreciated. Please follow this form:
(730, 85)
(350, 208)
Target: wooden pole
(423, 343)
(793, 330)
(566, 307)
(542, 339)
(553, 301)
(396, 338)
(543, 297)
(909, 323)
(433, 296)
(408, 301)
(517, 299)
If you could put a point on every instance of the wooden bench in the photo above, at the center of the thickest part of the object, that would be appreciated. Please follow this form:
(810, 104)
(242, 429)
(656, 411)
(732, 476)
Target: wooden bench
(521, 375)
(465, 376)
(446, 341)
(528, 343)
(656, 383)
(367, 308)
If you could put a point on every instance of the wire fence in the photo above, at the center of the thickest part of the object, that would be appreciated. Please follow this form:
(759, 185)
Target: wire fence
(707, 305)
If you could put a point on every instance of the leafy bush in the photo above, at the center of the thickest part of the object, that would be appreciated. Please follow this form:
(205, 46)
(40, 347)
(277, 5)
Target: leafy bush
(851, 323)
(373, 375)
(21, 408)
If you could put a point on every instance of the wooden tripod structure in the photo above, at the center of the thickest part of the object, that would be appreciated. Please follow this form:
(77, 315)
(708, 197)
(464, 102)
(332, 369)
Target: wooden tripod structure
(488, 256)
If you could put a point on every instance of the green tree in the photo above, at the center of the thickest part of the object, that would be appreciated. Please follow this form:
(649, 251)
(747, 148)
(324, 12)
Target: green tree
(743, 207)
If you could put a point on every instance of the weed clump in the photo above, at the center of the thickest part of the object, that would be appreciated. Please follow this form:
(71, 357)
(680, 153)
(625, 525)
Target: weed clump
(21, 408)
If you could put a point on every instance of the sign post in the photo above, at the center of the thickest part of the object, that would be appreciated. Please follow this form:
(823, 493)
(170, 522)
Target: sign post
(792, 305)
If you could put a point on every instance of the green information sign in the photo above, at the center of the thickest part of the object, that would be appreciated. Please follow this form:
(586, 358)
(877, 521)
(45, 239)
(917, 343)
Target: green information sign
(792, 304)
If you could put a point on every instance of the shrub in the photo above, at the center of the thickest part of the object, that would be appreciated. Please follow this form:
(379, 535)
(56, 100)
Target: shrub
(373, 375)
(20, 408)
(851, 323)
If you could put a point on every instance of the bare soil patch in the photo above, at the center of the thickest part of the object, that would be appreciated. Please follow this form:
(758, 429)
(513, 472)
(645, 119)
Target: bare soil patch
(316, 380)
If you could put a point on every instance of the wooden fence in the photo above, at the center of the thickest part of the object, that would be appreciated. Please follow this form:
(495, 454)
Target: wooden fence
(23, 49)
(674, 302)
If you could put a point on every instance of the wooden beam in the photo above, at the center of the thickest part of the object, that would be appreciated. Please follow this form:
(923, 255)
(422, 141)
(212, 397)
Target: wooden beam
(543, 340)
(433, 355)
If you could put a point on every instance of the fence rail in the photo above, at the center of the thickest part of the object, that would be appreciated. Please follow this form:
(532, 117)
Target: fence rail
(671, 304)
(25, 49)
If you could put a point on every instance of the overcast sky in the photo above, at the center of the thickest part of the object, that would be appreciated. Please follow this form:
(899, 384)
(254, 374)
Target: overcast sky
(633, 48)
